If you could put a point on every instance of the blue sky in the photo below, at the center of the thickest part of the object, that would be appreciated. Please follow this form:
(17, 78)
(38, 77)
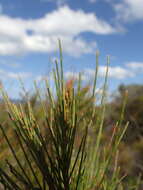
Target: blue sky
(30, 29)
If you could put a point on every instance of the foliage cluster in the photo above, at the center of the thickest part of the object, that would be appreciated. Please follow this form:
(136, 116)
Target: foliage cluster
(66, 141)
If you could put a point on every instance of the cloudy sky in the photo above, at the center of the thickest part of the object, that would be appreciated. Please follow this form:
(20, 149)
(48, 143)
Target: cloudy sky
(30, 29)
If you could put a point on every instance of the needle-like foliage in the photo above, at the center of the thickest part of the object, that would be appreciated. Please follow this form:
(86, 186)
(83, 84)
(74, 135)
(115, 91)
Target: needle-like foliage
(56, 161)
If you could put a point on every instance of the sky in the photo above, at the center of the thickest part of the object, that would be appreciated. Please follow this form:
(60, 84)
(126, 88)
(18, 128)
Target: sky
(30, 29)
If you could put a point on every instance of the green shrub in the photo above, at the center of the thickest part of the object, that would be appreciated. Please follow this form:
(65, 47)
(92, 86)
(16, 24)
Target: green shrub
(58, 155)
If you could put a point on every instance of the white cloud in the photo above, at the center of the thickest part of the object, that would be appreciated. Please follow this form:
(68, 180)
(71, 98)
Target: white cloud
(114, 72)
(9, 63)
(129, 10)
(12, 75)
(131, 69)
(66, 21)
(58, 2)
(75, 75)
(67, 75)
(18, 36)
(92, 1)
(136, 66)
(41, 78)
(22, 75)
